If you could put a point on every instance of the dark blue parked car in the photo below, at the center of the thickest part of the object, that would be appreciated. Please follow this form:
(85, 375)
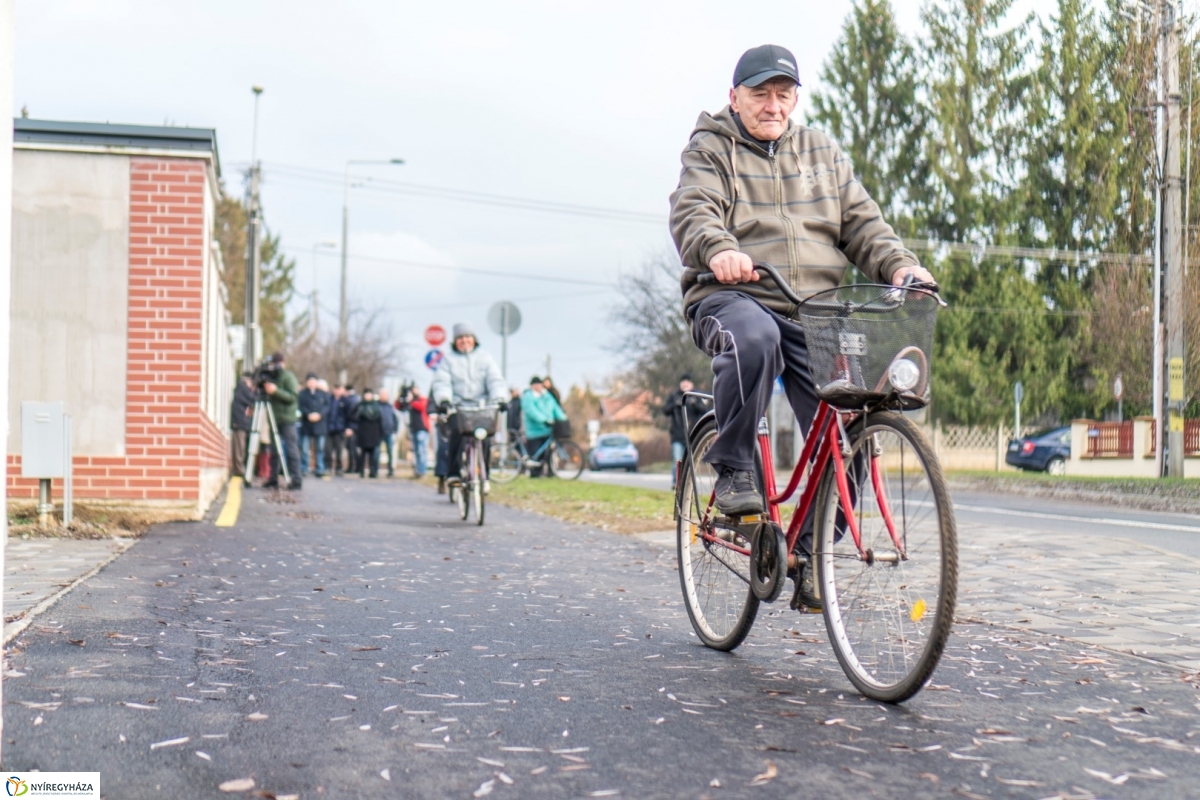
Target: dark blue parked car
(613, 451)
(1046, 451)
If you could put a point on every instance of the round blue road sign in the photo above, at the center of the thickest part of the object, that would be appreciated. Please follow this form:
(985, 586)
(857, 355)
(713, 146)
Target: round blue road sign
(433, 358)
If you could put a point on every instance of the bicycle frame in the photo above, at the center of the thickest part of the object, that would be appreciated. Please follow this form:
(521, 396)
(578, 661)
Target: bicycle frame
(824, 442)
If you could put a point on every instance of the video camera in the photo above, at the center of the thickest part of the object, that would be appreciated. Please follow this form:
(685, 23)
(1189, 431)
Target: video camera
(266, 372)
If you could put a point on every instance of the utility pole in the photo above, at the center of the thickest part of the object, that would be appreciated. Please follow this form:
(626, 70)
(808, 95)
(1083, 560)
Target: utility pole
(1173, 240)
(253, 231)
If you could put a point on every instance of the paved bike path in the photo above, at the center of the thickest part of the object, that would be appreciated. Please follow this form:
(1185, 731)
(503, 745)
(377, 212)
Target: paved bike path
(364, 643)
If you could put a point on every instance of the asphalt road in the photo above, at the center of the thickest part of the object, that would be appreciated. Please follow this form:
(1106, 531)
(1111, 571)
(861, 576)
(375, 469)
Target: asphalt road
(364, 643)
(1175, 533)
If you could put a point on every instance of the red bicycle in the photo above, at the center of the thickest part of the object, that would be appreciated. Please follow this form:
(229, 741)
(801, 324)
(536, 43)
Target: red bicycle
(883, 531)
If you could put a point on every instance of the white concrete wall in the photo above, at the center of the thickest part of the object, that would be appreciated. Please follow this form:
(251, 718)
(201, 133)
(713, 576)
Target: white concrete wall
(70, 279)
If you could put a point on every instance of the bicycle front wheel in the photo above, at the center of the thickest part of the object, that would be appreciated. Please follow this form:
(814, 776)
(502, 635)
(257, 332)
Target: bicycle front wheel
(478, 477)
(507, 462)
(889, 605)
(567, 459)
(714, 564)
(463, 494)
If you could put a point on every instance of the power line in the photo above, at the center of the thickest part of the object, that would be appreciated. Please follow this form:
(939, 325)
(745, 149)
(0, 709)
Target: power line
(568, 295)
(472, 270)
(325, 178)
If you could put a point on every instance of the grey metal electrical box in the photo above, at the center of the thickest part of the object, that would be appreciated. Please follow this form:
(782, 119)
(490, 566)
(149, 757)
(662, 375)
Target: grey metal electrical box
(42, 440)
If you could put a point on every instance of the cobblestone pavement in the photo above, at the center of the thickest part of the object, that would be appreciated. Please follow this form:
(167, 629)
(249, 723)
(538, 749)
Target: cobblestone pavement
(1105, 591)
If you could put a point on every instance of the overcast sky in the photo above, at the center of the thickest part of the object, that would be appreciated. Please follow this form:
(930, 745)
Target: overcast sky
(585, 103)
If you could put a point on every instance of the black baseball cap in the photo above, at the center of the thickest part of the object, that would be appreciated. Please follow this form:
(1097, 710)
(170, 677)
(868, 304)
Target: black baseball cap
(759, 64)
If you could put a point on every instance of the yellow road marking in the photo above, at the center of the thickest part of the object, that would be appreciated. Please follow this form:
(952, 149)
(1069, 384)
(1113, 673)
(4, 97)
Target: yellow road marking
(233, 504)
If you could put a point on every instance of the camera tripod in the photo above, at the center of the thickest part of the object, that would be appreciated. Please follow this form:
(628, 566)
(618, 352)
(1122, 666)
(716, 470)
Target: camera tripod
(263, 407)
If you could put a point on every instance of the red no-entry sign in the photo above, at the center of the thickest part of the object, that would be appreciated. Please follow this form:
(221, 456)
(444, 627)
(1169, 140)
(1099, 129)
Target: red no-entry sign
(435, 335)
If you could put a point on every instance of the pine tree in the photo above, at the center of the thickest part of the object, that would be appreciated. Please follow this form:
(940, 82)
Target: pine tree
(868, 104)
(996, 331)
(1075, 134)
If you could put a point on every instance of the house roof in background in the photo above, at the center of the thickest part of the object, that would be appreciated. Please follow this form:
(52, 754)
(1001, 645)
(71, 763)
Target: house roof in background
(629, 408)
(104, 135)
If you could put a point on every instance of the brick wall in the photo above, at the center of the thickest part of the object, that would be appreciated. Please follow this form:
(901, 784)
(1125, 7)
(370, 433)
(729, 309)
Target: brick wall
(168, 439)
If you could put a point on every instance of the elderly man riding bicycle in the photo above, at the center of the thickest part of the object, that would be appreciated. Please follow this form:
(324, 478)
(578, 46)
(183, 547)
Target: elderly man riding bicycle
(757, 187)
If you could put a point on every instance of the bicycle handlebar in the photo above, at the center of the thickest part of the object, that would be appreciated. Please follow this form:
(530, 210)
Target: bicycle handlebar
(767, 270)
(763, 270)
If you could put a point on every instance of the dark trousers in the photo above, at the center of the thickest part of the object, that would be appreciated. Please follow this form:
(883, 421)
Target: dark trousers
(387, 447)
(441, 464)
(750, 347)
(533, 444)
(454, 449)
(237, 452)
(352, 451)
(336, 444)
(368, 457)
(291, 451)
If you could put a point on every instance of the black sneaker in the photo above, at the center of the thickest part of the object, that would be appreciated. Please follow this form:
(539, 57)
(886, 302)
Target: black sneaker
(807, 591)
(737, 494)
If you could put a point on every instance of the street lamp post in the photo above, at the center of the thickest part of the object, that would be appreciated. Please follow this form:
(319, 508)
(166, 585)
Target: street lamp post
(253, 227)
(341, 340)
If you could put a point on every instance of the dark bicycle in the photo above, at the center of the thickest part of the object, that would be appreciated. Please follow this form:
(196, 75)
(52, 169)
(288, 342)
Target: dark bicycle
(477, 424)
(560, 456)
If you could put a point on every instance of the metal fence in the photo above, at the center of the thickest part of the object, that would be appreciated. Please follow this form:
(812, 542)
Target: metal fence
(1110, 440)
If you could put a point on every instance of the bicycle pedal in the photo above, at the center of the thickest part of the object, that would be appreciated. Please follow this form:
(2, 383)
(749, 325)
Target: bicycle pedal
(749, 519)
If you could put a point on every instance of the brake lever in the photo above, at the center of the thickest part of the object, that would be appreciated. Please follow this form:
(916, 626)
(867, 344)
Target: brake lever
(911, 282)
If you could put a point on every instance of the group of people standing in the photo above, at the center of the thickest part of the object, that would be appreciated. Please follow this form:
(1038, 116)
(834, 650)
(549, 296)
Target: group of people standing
(337, 430)
(318, 428)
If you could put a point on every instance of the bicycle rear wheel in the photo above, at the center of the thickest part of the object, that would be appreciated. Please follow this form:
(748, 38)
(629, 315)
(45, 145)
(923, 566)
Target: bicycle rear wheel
(567, 459)
(714, 564)
(888, 610)
(507, 462)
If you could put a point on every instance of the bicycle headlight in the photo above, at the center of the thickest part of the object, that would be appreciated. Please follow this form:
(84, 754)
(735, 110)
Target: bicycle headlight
(903, 374)
(480, 434)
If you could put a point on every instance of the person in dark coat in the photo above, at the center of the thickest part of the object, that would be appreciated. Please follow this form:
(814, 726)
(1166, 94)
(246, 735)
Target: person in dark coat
(240, 419)
(391, 423)
(337, 423)
(368, 433)
(677, 406)
(314, 408)
(514, 416)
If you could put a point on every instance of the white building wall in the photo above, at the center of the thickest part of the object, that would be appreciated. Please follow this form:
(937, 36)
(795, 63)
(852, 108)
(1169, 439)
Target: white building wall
(70, 289)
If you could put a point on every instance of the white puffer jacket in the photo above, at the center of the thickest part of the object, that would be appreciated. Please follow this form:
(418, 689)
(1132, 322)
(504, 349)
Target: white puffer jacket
(468, 378)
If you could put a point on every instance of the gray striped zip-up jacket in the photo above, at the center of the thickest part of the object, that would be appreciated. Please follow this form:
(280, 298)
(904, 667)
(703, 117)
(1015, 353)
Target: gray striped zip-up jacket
(797, 207)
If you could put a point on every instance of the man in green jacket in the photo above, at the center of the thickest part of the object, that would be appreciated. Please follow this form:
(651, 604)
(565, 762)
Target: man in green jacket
(540, 411)
(284, 391)
(758, 188)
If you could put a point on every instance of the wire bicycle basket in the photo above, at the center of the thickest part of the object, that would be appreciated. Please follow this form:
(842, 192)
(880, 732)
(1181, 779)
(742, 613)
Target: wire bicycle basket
(870, 345)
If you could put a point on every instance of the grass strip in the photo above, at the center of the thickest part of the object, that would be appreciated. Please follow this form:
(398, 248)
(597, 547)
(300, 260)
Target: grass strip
(620, 509)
